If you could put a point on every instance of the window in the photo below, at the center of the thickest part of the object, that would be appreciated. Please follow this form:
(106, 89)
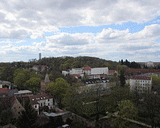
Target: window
(48, 99)
(48, 104)
(35, 106)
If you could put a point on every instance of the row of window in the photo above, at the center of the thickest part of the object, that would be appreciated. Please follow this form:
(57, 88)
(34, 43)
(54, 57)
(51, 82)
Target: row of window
(146, 81)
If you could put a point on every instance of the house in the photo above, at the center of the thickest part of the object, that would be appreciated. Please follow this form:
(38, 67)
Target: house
(112, 73)
(140, 84)
(16, 108)
(65, 73)
(39, 101)
(41, 68)
(149, 64)
(4, 92)
(87, 70)
(12, 104)
(5, 84)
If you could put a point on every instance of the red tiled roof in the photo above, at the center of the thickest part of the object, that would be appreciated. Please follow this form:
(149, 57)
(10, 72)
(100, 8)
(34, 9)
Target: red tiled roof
(141, 70)
(112, 71)
(6, 102)
(87, 68)
(138, 77)
(4, 90)
(76, 75)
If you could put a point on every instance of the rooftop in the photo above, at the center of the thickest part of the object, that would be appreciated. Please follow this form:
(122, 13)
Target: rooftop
(139, 77)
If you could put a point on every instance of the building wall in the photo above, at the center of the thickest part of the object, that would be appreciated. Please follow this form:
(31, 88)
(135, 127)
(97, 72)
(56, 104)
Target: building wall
(99, 71)
(49, 103)
(76, 71)
(16, 109)
(140, 85)
(36, 107)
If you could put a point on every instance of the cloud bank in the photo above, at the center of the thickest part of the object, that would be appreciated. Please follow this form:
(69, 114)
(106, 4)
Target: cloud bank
(29, 27)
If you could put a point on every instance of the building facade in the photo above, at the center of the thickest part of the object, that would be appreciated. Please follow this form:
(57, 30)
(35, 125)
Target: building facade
(140, 84)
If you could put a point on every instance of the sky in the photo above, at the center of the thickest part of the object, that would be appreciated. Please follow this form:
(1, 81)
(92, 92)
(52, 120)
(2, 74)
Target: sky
(107, 29)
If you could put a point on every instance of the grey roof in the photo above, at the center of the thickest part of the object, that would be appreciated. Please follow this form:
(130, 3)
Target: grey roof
(23, 92)
(54, 114)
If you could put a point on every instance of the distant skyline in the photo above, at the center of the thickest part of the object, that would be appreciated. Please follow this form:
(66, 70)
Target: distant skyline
(107, 29)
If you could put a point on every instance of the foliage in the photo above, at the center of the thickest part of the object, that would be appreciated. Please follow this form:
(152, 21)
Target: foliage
(58, 89)
(20, 80)
(28, 117)
(149, 109)
(5, 117)
(117, 95)
(33, 84)
(122, 78)
(72, 101)
(156, 83)
(130, 64)
(21, 76)
(126, 110)
(54, 75)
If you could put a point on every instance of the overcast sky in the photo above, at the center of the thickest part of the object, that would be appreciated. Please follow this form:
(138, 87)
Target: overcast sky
(108, 29)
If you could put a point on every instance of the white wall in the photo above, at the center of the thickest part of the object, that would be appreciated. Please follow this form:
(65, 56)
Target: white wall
(99, 71)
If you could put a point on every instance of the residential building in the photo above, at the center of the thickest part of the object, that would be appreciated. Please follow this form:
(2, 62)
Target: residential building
(41, 68)
(87, 70)
(98, 73)
(76, 71)
(149, 64)
(39, 101)
(5, 84)
(141, 84)
(65, 73)
(12, 104)
(91, 73)
(4, 92)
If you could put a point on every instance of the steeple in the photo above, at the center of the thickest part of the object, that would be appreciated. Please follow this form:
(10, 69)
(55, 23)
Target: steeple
(46, 80)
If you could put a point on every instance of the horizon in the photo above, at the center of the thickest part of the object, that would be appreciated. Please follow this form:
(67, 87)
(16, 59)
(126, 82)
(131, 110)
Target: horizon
(111, 30)
(80, 56)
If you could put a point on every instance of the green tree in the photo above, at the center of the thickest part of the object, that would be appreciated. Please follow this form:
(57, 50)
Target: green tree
(33, 84)
(20, 80)
(149, 109)
(5, 117)
(28, 117)
(23, 75)
(72, 101)
(122, 78)
(58, 89)
(126, 110)
(117, 95)
(156, 83)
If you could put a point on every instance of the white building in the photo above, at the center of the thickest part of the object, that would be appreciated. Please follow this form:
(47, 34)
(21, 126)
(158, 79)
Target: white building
(76, 71)
(92, 73)
(141, 84)
(65, 73)
(149, 64)
(39, 101)
(98, 72)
